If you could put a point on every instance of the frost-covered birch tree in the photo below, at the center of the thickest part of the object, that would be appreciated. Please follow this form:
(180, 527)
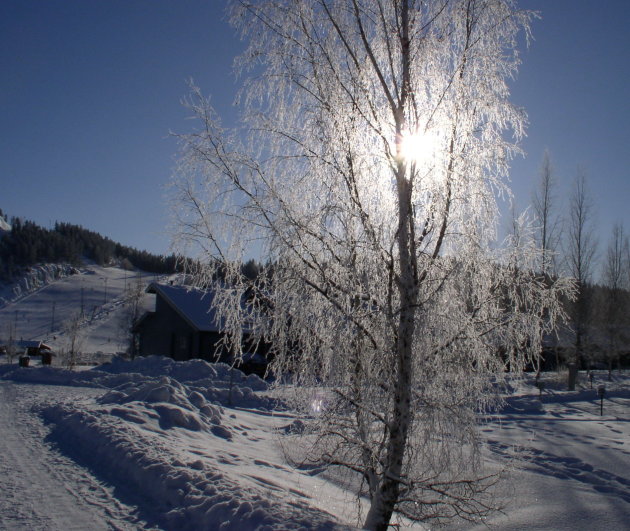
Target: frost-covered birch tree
(134, 294)
(73, 339)
(548, 220)
(378, 138)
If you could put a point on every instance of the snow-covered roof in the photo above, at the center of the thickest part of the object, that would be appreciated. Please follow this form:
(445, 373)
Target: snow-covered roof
(32, 344)
(192, 304)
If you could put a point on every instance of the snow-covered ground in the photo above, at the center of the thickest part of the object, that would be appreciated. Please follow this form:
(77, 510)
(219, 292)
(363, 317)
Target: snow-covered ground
(157, 444)
(176, 445)
(574, 472)
(41, 487)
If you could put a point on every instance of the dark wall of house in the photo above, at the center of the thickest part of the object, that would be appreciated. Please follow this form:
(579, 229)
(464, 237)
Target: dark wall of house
(166, 333)
(209, 349)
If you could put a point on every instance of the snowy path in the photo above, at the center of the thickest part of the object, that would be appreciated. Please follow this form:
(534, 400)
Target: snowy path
(42, 489)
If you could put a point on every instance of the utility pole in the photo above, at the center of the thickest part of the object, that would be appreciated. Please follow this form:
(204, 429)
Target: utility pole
(52, 321)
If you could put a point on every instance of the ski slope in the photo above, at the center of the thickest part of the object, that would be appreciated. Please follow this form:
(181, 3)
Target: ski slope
(96, 293)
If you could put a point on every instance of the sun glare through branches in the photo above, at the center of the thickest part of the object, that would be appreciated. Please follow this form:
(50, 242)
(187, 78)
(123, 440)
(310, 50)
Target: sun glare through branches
(420, 148)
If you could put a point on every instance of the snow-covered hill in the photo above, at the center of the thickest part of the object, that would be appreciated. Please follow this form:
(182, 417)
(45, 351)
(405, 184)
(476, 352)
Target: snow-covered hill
(34, 279)
(50, 296)
(4, 225)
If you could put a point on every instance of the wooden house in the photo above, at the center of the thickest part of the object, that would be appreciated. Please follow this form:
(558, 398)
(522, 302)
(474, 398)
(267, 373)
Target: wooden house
(184, 325)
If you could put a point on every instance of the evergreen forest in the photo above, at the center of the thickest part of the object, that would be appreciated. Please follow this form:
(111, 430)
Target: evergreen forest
(27, 244)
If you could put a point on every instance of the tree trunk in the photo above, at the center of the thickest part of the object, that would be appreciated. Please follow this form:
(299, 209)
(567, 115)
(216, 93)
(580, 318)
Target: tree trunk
(386, 496)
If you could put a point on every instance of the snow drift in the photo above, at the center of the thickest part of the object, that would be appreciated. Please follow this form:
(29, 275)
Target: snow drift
(151, 432)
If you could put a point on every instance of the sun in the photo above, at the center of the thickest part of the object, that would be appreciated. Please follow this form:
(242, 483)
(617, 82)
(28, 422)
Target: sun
(420, 148)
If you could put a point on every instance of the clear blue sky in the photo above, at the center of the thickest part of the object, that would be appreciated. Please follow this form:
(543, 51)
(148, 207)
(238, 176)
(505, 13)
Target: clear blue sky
(90, 89)
(575, 86)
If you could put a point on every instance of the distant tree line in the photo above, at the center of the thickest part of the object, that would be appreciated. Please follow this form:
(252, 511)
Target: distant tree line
(28, 244)
(598, 331)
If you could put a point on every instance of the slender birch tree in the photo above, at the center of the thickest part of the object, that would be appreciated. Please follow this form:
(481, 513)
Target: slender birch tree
(548, 233)
(544, 203)
(73, 339)
(615, 307)
(134, 295)
(581, 249)
(378, 139)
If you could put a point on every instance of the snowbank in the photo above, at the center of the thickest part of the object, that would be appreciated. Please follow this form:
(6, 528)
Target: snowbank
(217, 382)
(117, 437)
(156, 434)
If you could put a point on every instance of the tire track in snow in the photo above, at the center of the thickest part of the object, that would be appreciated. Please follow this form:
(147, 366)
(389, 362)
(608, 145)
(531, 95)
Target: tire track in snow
(41, 489)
